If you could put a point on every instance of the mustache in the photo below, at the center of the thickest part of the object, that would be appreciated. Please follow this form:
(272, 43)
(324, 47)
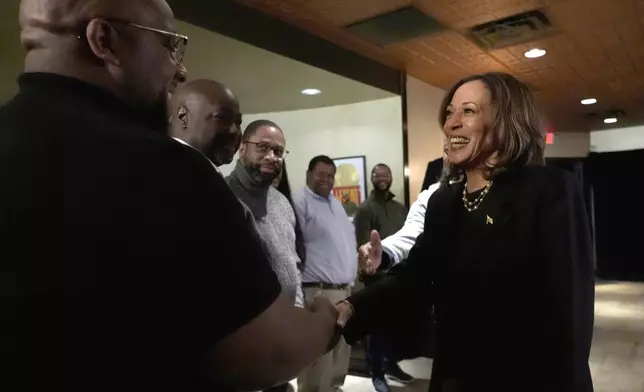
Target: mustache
(275, 166)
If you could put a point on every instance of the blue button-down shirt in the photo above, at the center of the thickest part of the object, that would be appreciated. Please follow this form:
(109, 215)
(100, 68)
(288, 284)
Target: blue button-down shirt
(329, 238)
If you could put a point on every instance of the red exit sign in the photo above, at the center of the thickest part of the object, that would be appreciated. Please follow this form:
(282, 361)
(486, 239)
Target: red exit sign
(550, 138)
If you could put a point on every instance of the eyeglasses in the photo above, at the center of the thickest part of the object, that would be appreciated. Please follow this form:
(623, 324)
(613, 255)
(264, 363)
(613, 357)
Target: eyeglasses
(265, 148)
(175, 43)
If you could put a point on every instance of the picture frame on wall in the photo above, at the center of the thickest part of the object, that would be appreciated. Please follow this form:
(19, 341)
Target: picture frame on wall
(350, 187)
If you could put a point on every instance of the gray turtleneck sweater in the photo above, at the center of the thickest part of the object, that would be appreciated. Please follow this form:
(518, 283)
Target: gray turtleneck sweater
(275, 220)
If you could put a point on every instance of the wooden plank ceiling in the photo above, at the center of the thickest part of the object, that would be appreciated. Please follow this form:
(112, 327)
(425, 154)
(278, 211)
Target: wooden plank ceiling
(597, 50)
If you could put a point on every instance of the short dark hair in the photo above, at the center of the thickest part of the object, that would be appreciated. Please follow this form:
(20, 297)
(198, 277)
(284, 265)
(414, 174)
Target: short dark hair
(380, 165)
(518, 124)
(320, 159)
(255, 125)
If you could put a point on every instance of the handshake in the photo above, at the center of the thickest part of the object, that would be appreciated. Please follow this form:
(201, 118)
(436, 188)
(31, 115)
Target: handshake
(369, 259)
(335, 316)
(341, 312)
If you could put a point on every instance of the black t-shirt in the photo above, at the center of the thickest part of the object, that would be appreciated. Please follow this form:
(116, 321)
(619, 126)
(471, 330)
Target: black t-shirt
(125, 257)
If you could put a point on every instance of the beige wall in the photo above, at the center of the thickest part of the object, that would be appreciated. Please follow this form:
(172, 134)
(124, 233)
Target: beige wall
(569, 145)
(425, 137)
(620, 139)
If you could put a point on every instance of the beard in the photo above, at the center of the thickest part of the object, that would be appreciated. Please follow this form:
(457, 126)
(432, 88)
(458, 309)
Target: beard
(382, 186)
(149, 107)
(255, 172)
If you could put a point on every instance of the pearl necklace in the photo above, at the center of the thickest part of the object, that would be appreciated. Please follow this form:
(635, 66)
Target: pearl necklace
(476, 203)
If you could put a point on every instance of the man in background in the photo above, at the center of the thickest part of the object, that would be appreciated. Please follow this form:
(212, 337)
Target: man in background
(121, 247)
(381, 214)
(395, 248)
(260, 162)
(330, 264)
(206, 116)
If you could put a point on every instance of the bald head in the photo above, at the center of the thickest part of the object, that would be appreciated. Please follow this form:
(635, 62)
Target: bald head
(107, 43)
(42, 20)
(202, 93)
(206, 115)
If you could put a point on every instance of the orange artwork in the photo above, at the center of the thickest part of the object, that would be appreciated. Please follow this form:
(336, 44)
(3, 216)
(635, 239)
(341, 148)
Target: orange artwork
(350, 187)
(345, 194)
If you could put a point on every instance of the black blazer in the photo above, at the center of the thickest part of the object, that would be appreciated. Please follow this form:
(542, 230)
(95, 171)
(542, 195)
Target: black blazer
(528, 297)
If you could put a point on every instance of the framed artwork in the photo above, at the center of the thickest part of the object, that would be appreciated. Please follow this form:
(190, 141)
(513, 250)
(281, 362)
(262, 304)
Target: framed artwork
(350, 187)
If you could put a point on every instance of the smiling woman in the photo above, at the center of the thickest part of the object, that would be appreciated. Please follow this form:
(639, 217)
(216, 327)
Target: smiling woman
(505, 258)
(491, 124)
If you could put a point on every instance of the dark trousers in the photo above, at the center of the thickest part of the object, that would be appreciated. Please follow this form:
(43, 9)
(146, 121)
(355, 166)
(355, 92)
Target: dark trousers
(379, 355)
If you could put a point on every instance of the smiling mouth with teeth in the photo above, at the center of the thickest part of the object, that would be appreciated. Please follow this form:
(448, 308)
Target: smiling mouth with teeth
(458, 142)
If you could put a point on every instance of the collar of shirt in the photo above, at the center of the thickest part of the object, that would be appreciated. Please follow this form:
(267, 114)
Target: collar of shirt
(311, 193)
(381, 197)
(186, 144)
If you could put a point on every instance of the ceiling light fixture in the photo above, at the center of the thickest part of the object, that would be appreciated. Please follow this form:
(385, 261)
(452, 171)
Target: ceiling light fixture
(311, 91)
(610, 120)
(534, 53)
(588, 101)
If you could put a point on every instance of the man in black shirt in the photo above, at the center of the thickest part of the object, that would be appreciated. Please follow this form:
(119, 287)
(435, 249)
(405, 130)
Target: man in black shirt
(124, 254)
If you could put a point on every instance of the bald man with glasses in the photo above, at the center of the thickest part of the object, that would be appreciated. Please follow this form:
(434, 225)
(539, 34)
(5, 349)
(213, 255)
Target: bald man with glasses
(120, 245)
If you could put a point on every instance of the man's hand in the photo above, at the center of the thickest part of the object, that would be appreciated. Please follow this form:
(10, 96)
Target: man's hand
(321, 304)
(370, 254)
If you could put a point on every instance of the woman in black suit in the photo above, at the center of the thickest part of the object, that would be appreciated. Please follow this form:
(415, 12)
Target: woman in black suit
(505, 259)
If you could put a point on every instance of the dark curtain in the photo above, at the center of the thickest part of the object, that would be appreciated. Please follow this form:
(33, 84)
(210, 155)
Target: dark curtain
(619, 213)
(577, 167)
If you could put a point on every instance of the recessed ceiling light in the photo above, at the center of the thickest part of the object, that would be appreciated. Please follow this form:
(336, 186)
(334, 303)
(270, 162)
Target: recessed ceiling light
(534, 53)
(311, 91)
(610, 120)
(588, 101)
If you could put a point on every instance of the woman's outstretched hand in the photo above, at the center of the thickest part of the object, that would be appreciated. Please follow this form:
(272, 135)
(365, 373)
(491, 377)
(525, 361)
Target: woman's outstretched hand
(370, 254)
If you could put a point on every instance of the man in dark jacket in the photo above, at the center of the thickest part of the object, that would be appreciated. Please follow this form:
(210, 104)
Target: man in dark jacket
(380, 215)
(121, 247)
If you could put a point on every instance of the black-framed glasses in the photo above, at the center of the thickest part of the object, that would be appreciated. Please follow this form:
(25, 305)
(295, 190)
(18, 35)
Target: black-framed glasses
(175, 43)
(265, 148)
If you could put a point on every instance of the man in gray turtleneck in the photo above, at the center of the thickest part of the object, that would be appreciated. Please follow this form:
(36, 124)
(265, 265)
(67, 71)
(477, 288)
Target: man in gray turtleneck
(260, 161)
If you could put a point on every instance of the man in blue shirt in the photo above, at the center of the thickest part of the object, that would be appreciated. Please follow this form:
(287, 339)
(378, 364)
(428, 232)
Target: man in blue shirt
(331, 265)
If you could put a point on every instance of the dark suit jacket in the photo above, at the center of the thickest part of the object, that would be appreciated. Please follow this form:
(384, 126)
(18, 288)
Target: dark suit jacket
(529, 294)
(433, 173)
